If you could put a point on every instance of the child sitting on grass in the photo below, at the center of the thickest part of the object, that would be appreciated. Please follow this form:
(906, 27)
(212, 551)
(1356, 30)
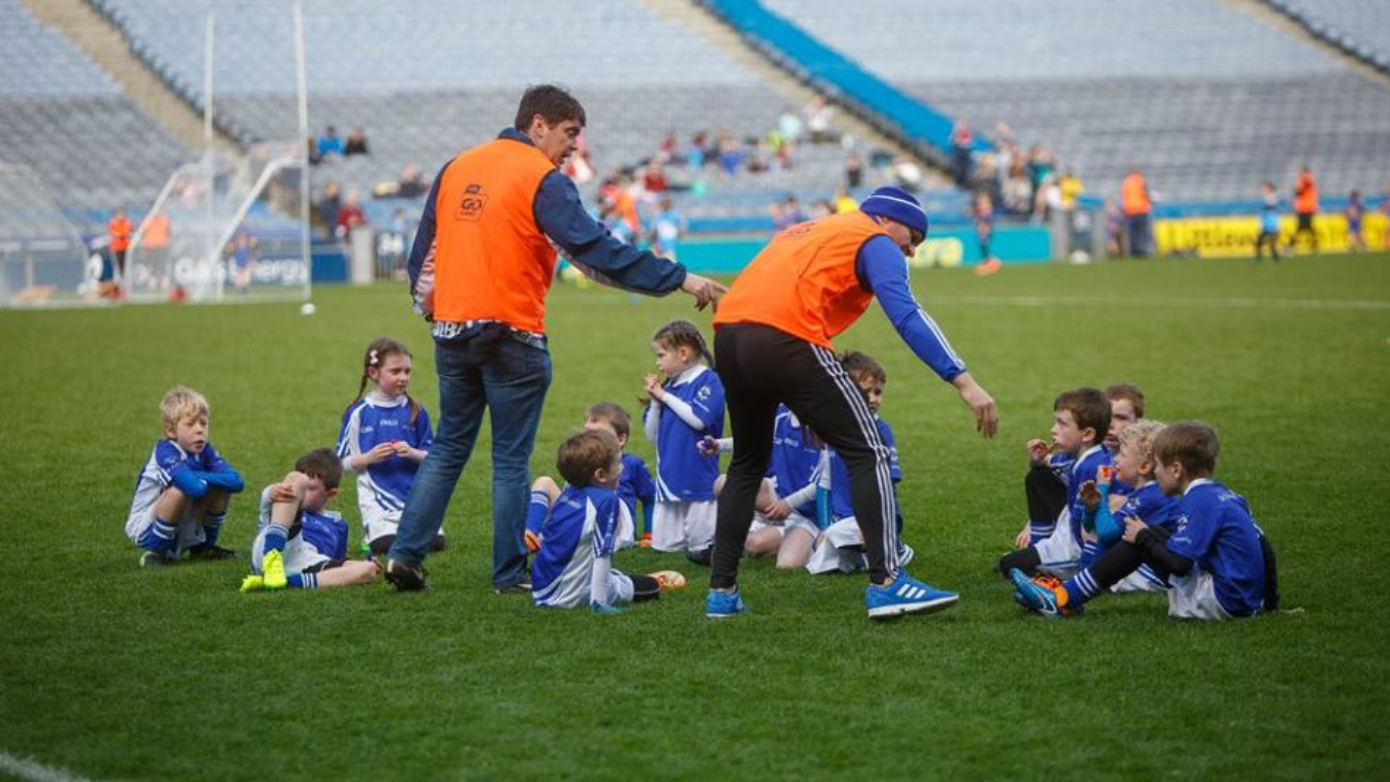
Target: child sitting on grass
(182, 493)
(299, 545)
(1217, 562)
(574, 564)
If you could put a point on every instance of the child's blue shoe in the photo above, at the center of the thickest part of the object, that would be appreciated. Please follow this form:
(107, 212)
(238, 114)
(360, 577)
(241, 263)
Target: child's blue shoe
(1043, 594)
(604, 609)
(719, 605)
(906, 595)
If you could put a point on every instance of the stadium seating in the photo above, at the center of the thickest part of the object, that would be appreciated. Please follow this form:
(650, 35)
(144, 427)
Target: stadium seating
(1357, 27)
(66, 122)
(1209, 102)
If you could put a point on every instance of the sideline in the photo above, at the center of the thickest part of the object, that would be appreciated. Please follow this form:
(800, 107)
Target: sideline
(38, 772)
(1234, 302)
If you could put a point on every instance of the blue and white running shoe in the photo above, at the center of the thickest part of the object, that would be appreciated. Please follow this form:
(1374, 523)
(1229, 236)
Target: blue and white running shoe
(719, 605)
(906, 595)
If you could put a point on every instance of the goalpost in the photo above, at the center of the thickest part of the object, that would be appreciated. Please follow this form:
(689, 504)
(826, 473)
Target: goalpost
(222, 231)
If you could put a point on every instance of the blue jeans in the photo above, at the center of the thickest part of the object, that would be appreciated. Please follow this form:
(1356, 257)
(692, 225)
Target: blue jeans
(511, 378)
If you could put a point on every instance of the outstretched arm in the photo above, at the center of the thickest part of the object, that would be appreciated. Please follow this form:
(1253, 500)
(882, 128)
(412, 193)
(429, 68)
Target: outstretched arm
(882, 270)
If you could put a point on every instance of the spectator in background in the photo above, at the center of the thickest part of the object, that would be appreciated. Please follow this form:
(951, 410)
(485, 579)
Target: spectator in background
(821, 208)
(1070, 187)
(731, 155)
(818, 117)
(854, 171)
(1356, 242)
(579, 166)
(667, 227)
(119, 231)
(1136, 205)
(962, 141)
(666, 150)
(1305, 206)
(843, 201)
(330, 202)
(654, 177)
(789, 125)
(1040, 166)
(791, 211)
(1018, 191)
(350, 215)
(329, 143)
(1114, 228)
(698, 154)
(412, 183)
(356, 142)
(312, 145)
(779, 221)
(982, 214)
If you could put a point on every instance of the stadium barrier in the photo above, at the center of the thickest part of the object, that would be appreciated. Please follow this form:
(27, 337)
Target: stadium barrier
(1234, 237)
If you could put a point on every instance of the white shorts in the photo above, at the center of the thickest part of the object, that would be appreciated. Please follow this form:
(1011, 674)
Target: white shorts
(1193, 596)
(1141, 580)
(377, 522)
(619, 588)
(839, 550)
(189, 532)
(684, 526)
(1059, 554)
(794, 521)
(298, 557)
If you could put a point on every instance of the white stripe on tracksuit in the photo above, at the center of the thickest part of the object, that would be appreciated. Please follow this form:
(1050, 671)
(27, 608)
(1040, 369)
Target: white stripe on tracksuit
(865, 418)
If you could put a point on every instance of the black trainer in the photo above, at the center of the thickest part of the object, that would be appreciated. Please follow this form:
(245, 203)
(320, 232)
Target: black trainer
(157, 559)
(405, 578)
(701, 557)
(521, 587)
(213, 553)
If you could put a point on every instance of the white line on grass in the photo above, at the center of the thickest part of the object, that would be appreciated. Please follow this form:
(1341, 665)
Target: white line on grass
(28, 769)
(1215, 302)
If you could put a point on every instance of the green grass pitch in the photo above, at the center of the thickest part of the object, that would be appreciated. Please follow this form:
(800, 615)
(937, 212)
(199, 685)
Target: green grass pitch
(114, 673)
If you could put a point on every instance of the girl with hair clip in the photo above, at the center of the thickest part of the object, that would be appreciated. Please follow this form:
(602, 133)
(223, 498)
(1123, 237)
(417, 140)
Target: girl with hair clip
(685, 403)
(385, 435)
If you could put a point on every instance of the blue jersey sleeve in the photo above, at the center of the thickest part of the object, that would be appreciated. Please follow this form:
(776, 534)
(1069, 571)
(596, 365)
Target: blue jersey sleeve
(587, 244)
(424, 233)
(424, 433)
(642, 483)
(882, 270)
(708, 403)
(895, 467)
(219, 473)
(347, 432)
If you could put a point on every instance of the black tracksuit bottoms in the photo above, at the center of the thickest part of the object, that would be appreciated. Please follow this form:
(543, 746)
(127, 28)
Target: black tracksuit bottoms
(761, 367)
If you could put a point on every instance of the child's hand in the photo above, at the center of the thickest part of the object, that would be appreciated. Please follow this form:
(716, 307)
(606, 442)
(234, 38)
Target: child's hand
(1090, 496)
(1022, 538)
(603, 609)
(1104, 475)
(379, 453)
(652, 385)
(1038, 451)
(708, 446)
(1133, 526)
(533, 542)
(284, 492)
(778, 511)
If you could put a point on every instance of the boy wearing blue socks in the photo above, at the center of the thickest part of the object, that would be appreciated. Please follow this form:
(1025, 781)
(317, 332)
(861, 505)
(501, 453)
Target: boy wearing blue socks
(183, 490)
(299, 544)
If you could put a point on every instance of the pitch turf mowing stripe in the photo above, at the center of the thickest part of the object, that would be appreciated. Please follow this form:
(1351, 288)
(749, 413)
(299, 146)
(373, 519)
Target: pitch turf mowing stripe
(38, 772)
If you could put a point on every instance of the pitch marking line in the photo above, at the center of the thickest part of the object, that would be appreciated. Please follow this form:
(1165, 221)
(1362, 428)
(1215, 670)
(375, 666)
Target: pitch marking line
(37, 772)
(1216, 303)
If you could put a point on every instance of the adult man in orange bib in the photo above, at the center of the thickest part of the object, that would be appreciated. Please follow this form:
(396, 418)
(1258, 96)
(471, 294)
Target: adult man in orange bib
(482, 262)
(772, 345)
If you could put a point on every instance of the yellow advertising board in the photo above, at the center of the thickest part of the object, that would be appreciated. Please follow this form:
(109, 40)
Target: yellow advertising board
(1234, 237)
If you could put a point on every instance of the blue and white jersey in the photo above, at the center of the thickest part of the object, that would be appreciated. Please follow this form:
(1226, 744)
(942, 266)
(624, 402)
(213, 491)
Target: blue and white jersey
(1215, 530)
(376, 419)
(1150, 505)
(1087, 465)
(315, 538)
(794, 459)
(167, 463)
(1060, 464)
(683, 474)
(581, 529)
(635, 484)
(841, 503)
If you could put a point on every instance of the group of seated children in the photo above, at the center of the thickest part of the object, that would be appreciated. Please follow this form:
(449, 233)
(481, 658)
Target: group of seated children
(1135, 510)
(183, 491)
(1117, 502)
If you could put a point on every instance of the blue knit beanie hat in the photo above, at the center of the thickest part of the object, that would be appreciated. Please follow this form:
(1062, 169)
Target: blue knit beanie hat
(897, 205)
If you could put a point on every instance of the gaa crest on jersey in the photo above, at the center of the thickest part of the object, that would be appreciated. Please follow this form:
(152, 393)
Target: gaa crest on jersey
(703, 394)
(472, 203)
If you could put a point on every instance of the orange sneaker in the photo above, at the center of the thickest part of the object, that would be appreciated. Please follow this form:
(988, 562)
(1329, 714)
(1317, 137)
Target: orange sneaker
(645, 541)
(990, 266)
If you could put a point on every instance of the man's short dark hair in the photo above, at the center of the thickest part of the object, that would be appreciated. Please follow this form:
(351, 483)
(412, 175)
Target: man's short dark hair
(323, 464)
(552, 103)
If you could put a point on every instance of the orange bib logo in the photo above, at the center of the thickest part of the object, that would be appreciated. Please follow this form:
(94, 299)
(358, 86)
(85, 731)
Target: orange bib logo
(472, 203)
